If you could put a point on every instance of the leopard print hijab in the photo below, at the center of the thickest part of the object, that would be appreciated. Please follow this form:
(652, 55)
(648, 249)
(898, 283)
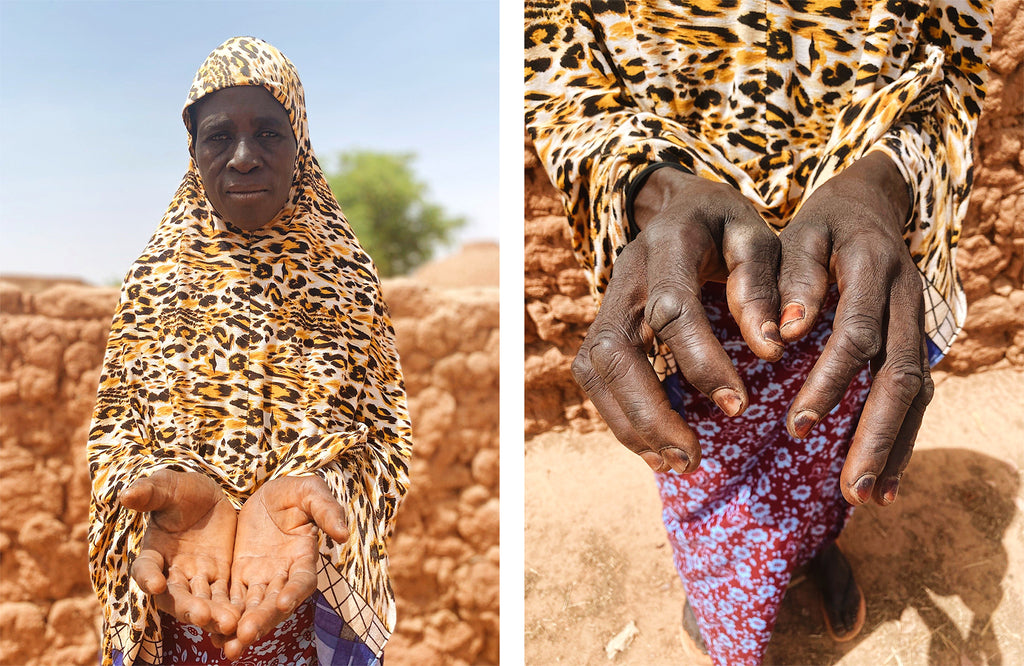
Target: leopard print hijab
(245, 356)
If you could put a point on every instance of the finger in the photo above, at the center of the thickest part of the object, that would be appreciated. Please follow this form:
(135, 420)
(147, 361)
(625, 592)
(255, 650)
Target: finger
(225, 615)
(888, 483)
(254, 595)
(894, 389)
(237, 593)
(803, 275)
(217, 616)
(200, 587)
(258, 621)
(187, 607)
(676, 315)
(606, 404)
(320, 504)
(635, 387)
(856, 339)
(751, 253)
(184, 609)
(262, 616)
(301, 583)
(148, 572)
(639, 414)
(165, 604)
(153, 493)
(234, 647)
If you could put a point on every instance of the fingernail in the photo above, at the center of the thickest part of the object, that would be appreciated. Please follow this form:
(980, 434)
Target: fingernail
(803, 423)
(890, 487)
(728, 400)
(792, 313)
(770, 332)
(188, 617)
(653, 460)
(863, 487)
(676, 459)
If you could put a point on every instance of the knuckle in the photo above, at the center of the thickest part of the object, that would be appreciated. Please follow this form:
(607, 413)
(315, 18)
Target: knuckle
(666, 307)
(751, 237)
(581, 370)
(863, 264)
(762, 237)
(927, 390)
(606, 356)
(905, 380)
(803, 232)
(860, 338)
(868, 258)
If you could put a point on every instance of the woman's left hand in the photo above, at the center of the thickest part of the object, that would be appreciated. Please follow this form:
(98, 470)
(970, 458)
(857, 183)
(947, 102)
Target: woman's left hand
(851, 229)
(275, 560)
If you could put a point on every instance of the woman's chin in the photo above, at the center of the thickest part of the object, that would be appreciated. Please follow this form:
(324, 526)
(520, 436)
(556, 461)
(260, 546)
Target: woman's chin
(250, 221)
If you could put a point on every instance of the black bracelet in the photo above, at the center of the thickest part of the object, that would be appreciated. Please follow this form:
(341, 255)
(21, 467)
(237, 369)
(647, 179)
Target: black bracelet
(636, 184)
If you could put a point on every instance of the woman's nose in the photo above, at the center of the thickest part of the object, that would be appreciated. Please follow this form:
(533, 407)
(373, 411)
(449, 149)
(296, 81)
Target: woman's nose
(243, 159)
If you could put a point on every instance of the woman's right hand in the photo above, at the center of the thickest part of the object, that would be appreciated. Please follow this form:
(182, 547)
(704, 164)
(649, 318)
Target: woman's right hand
(692, 230)
(276, 557)
(185, 560)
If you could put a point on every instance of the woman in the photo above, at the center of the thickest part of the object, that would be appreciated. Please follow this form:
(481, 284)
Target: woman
(773, 147)
(250, 442)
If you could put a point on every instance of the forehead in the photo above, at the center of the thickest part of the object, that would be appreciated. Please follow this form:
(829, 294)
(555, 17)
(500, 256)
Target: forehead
(239, 102)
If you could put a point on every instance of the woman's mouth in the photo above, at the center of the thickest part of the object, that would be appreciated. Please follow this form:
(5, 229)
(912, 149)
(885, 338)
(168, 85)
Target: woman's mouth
(245, 194)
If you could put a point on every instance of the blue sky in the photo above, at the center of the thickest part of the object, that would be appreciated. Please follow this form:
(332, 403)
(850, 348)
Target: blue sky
(91, 96)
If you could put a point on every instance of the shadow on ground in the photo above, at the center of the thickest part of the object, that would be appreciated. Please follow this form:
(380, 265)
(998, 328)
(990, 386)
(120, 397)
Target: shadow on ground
(937, 552)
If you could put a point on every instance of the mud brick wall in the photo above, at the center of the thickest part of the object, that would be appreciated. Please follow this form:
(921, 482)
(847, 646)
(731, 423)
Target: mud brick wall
(444, 554)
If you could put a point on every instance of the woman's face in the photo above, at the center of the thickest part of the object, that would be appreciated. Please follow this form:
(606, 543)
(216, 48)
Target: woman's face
(245, 151)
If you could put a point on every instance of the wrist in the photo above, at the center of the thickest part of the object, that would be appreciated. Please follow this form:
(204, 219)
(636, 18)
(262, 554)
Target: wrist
(882, 178)
(663, 191)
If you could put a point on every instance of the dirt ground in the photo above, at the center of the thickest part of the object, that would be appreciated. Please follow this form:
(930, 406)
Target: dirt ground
(942, 569)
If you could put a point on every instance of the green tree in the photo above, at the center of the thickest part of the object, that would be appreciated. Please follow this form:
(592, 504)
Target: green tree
(386, 205)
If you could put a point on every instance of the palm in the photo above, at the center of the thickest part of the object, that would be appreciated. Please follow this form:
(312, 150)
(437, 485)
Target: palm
(185, 558)
(275, 557)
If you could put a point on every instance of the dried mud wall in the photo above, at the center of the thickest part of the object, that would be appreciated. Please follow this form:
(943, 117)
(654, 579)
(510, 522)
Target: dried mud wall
(444, 553)
(990, 257)
(444, 556)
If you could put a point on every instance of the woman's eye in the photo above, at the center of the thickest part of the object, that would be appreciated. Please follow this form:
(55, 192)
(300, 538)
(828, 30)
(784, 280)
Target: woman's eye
(219, 136)
(268, 133)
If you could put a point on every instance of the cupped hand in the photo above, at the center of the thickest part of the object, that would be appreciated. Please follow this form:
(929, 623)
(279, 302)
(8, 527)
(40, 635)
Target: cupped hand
(692, 230)
(275, 560)
(185, 559)
(851, 229)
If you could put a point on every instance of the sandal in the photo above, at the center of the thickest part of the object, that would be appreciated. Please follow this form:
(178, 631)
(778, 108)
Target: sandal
(823, 568)
(694, 648)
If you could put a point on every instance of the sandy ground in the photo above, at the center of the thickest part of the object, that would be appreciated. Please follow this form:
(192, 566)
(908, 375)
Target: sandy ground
(942, 569)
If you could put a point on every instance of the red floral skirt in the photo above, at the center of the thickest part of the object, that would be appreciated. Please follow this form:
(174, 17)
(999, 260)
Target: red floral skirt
(292, 643)
(762, 503)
